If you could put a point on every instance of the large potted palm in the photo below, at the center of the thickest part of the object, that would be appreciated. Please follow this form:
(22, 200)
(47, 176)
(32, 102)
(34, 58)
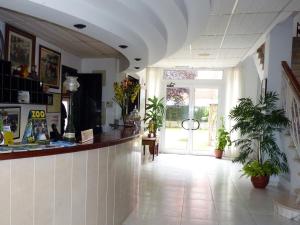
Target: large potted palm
(155, 110)
(257, 125)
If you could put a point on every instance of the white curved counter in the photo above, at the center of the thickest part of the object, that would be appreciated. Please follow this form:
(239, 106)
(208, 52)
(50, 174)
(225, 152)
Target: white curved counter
(98, 186)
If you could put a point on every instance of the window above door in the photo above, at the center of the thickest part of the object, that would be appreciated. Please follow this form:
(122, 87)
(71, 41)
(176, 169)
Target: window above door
(192, 74)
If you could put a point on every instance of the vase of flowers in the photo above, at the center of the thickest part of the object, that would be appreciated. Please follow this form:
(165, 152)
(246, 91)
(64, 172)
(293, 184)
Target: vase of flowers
(125, 91)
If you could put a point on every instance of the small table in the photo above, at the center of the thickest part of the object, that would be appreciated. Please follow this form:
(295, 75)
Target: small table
(153, 145)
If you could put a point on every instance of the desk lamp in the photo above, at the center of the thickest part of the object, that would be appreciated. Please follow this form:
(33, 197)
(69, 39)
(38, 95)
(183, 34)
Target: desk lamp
(71, 85)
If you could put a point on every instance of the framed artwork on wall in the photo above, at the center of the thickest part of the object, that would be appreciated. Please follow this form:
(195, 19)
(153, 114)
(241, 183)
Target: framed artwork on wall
(49, 67)
(19, 47)
(56, 104)
(53, 118)
(13, 118)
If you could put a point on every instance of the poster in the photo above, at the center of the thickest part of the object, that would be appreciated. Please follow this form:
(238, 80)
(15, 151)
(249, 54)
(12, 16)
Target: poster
(36, 130)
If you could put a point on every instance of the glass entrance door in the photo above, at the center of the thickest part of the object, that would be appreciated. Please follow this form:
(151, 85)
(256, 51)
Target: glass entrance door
(190, 123)
(205, 110)
(176, 138)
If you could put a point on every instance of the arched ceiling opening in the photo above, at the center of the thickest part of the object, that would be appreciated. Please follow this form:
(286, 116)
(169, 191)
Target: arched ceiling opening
(152, 29)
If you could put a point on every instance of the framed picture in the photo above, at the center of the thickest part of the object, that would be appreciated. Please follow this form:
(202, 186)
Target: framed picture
(19, 47)
(49, 67)
(66, 71)
(13, 118)
(56, 104)
(53, 118)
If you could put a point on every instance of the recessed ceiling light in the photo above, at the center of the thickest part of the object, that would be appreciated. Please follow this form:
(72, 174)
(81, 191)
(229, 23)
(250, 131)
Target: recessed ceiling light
(123, 46)
(79, 26)
(137, 59)
(137, 67)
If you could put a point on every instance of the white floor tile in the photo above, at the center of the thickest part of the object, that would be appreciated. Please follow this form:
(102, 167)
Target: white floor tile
(200, 190)
(198, 222)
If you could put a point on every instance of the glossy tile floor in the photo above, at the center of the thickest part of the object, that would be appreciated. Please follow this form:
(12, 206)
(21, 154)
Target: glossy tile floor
(199, 190)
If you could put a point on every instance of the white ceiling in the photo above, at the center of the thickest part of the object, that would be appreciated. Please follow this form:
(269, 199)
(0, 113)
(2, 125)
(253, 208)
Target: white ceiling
(168, 33)
(151, 29)
(233, 27)
(71, 41)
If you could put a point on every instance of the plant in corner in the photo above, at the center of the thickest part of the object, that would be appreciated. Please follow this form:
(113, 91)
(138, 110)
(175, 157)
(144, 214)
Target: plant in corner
(258, 150)
(223, 140)
(155, 110)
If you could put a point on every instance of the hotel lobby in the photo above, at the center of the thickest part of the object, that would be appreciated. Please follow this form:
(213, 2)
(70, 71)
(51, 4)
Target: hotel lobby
(111, 112)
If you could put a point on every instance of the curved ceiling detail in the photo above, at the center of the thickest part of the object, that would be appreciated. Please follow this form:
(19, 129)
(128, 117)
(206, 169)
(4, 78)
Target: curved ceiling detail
(152, 29)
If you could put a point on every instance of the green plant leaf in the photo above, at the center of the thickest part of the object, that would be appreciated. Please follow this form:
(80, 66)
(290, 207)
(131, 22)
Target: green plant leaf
(155, 109)
(257, 125)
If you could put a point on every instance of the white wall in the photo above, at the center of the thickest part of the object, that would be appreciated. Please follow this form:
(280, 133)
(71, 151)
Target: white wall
(278, 48)
(154, 82)
(110, 66)
(249, 79)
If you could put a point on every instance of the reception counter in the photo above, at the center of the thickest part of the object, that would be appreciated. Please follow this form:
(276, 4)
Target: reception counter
(90, 184)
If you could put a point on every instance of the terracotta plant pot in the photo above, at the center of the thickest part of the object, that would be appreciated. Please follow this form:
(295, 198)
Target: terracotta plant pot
(260, 181)
(218, 153)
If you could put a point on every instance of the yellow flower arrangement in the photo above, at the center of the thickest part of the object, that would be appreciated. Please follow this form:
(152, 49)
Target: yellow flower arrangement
(124, 91)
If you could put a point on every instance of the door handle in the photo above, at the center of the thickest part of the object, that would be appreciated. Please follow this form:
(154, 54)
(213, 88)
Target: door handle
(198, 124)
(183, 121)
(182, 124)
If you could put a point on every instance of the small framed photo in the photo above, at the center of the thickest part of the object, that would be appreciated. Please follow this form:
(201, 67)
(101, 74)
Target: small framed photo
(56, 104)
(13, 118)
(19, 47)
(49, 67)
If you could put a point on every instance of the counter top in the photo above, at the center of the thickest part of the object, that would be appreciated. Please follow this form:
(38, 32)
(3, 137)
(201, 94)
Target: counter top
(106, 139)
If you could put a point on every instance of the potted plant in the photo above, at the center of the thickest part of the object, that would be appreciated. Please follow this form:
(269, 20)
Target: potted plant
(155, 110)
(125, 91)
(258, 150)
(223, 140)
(260, 173)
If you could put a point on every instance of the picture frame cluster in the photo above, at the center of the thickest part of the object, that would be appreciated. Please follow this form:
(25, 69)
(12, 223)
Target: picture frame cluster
(20, 51)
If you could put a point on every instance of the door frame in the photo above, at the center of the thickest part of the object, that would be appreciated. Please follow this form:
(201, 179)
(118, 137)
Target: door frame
(192, 84)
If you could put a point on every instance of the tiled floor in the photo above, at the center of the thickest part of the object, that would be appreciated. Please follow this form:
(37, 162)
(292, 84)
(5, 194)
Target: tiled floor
(199, 190)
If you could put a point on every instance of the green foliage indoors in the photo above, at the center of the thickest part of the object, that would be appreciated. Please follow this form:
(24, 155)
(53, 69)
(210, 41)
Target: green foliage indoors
(255, 169)
(257, 125)
(155, 110)
(223, 137)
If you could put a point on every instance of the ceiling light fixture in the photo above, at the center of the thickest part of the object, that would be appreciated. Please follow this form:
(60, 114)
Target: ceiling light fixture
(137, 59)
(123, 46)
(205, 54)
(79, 26)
